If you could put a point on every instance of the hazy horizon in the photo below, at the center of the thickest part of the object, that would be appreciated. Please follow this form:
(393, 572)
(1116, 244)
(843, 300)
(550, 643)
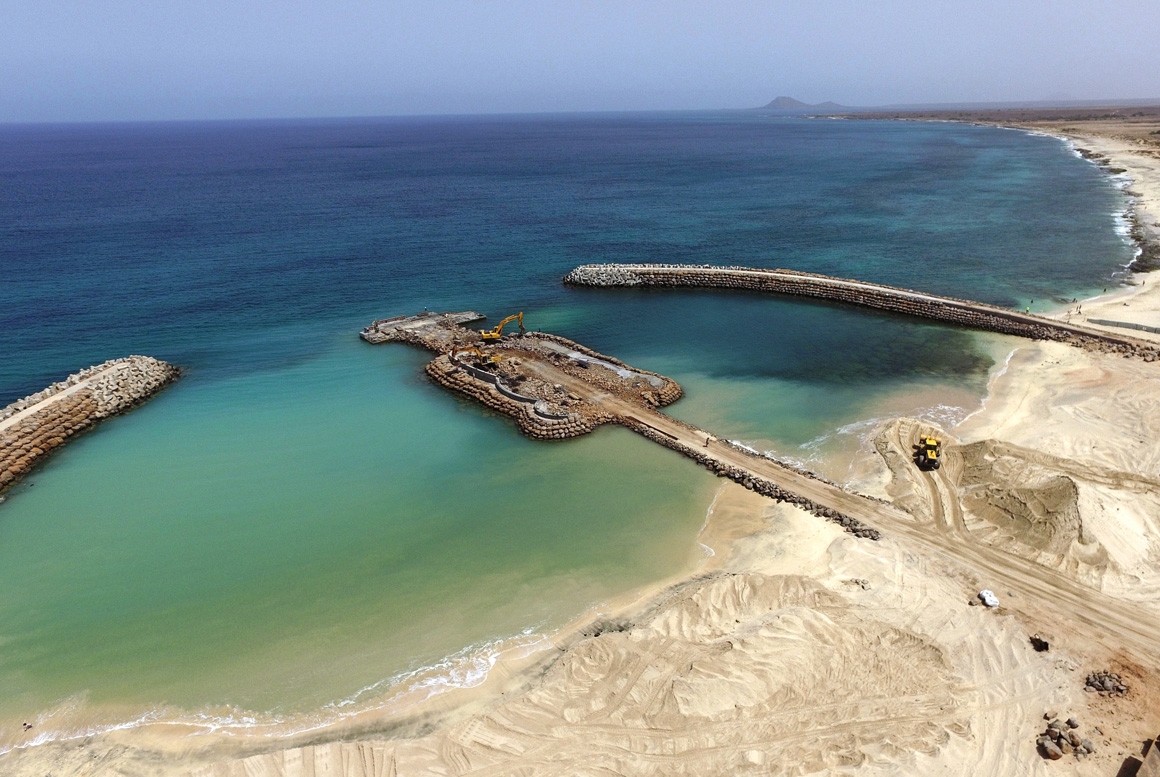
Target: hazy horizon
(95, 60)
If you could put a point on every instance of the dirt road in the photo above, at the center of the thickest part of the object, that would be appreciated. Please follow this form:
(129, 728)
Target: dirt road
(1040, 591)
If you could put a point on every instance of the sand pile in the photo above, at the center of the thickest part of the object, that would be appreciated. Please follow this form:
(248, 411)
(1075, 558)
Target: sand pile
(997, 493)
(1030, 503)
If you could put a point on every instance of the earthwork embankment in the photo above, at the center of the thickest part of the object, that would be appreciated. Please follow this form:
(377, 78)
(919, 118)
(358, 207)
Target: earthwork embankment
(965, 313)
(33, 427)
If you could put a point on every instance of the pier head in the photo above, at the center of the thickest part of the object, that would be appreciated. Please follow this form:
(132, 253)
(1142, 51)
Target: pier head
(552, 387)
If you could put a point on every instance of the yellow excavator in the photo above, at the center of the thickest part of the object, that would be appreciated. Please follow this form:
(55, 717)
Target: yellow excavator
(485, 358)
(927, 455)
(493, 335)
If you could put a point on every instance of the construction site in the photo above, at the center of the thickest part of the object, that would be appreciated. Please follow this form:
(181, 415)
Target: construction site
(986, 596)
(991, 516)
(556, 389)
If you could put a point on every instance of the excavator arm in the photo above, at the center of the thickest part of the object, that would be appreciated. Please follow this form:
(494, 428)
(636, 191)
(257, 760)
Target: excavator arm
(491, 335)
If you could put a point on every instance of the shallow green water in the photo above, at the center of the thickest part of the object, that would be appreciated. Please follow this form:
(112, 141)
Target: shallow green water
(251, 541)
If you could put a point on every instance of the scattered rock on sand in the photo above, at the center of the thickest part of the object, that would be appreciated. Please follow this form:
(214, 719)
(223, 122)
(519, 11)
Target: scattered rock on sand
(1060, 739)
(1106, 683)
(1050, 750)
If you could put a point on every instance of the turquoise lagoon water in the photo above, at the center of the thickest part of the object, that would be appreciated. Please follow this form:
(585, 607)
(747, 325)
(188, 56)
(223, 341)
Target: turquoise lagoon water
(276, 542)
(303, 517)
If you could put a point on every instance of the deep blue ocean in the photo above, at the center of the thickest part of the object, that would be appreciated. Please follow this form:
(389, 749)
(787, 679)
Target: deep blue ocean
(303, 518)
(228, 247)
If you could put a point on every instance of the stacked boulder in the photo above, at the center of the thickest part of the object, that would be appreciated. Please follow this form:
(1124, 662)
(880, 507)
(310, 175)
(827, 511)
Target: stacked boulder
(73, 405)
(1060, 739)
(531, 423)
(1105, 684)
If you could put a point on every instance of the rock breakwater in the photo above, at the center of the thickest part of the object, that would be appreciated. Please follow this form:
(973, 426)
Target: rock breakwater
(959, 312)
(753, 481)
(33, 427)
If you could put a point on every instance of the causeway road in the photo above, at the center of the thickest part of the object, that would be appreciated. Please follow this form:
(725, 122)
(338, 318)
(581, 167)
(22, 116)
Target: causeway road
(1043, 594)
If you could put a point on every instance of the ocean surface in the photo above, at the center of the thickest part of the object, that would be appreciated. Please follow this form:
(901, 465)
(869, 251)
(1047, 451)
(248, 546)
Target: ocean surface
(303, 521)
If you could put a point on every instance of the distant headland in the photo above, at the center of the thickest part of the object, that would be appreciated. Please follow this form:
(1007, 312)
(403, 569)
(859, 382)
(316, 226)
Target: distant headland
(791, 105)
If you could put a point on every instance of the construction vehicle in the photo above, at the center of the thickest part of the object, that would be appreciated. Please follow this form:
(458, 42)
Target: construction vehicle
(493, 335)
(484, 358)
(927, 455)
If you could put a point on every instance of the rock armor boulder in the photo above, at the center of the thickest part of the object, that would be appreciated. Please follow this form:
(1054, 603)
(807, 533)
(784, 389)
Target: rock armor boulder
(32, 427)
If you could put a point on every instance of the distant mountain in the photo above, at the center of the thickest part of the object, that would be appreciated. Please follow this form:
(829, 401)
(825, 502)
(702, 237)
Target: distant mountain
(790, 105)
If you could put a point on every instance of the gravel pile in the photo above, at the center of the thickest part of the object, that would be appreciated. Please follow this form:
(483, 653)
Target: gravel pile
(1105, 684)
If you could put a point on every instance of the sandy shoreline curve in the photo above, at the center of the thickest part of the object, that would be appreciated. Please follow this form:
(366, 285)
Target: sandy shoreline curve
(793, 648)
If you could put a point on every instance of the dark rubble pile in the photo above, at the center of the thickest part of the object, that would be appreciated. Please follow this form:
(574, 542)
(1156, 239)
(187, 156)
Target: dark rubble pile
(1060, 739)
(1105, 684)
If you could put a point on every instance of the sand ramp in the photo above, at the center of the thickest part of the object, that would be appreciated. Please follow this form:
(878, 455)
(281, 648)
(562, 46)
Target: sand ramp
(1057, 512)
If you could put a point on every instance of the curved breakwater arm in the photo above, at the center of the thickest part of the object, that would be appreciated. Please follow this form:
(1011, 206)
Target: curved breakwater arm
(965, 313)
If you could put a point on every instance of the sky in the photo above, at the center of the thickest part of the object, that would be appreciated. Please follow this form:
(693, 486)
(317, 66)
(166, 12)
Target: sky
(85, 60)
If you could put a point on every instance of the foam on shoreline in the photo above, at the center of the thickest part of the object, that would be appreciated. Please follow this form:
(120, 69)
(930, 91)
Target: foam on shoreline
(463, 670)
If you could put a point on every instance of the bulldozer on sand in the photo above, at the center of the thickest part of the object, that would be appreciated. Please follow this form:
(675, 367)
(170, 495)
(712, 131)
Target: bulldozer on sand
(494, 335)
(927, 453)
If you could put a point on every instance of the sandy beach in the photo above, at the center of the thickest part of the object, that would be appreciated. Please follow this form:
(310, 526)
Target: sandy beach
(796, 648)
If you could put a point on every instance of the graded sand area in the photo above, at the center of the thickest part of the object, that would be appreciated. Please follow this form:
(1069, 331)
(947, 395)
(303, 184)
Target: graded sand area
(797, 648)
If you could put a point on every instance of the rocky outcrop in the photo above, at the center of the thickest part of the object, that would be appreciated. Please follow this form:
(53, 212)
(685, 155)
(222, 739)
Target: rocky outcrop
(33, 427)
(965, 313)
